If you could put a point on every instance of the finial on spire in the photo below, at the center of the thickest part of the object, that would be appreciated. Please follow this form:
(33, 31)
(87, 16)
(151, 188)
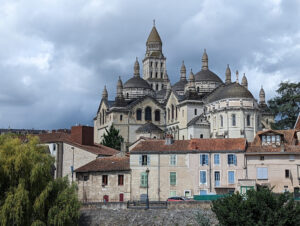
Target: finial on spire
(104, 93)
(154, 23)
(237, 76)
(228, 75)
(183, 71)
(136, 68)
(204, 60)
(262, 96)
(244, 81)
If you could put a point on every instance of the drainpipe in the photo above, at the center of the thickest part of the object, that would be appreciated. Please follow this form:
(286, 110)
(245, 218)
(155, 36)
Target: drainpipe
(158, 178)
(210, 172)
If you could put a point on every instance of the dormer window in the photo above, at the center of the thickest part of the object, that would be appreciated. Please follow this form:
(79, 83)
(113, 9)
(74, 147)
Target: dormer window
(271, 139)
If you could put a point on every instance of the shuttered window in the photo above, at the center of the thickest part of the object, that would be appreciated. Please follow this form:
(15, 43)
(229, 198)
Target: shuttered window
(230, 177)
(172, 178)
(262, 173)
(143, 179)
(202, 177)
(217, 159)
(203, 159)
(232, 159)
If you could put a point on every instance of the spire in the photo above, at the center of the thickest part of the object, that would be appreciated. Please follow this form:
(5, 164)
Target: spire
(154, 36)
(228, 75)
(191, 83)
(136, 68)
(104, 94)
(237, 76)
(183, 72)
(244, 81)
(204, 61)
(262, 96)
(120, 88)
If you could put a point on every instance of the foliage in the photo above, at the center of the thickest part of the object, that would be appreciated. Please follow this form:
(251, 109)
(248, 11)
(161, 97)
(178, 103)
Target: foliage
(112, 138)
(261, 207)
(286, 106)
(202, 220)
(28, 193)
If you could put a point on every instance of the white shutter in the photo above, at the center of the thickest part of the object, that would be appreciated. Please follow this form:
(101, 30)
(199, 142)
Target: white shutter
(140, 160)
(265, 173)
(148, 160)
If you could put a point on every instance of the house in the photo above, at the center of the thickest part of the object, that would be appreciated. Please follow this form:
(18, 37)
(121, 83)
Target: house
(186, 167)
(74, 150)
(104, 180)
(273, 160)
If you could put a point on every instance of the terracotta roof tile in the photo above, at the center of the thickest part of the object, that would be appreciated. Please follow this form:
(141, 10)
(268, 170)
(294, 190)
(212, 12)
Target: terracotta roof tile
(194, 145)
(106, 164)
(97, 149)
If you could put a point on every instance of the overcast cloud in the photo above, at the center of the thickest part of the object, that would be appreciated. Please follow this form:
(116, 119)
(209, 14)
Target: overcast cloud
(56, 56)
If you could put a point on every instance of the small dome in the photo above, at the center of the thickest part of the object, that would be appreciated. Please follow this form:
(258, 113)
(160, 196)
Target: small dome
(137, 82)
(207, 75)
(179, 86)
(232, 90)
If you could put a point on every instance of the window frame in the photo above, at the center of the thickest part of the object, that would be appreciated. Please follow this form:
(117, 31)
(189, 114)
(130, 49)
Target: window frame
(233, 119)
(217, 164)
(200, 181)
(120, 181)
(143, 179)
(234, 159)
(173, 178)
(104, 180)
(173, 160)
(206, 160)
(228, 177)
(139, 114)
(264, 170)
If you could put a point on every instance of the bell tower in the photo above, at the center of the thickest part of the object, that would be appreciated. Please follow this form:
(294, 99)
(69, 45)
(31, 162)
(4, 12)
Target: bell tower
(154, 63)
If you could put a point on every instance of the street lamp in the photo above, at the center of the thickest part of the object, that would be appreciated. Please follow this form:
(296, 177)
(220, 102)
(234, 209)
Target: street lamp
(72, 167)
(147, 200)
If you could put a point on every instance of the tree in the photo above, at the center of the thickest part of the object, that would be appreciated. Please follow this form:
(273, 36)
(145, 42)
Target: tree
(29, 195)
(261, 207)
(286, 106)
(112, 138)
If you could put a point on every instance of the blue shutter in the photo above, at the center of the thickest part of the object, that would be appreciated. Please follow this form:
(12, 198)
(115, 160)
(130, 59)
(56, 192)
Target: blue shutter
(148, 160)
(202, 177)
(217, 159)
(228, 159)
(230, 177)
(234, 159)
(140, 160)
(201, 159)
(206, 159)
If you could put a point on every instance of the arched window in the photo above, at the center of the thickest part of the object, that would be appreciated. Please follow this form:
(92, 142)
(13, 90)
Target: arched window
(139, 114)
(156, 86)
(172, 111)
(100, 118)
(157, 115)
(267, 121)
(176, 112)
(121, 117)
(248, 120)
(161, 75)
(221, 120)
(168, 113)
(103, 116)
(127, 95)
(162, 86)
(198, 89)
(195, 111)
(155, 74)
(150, 74)
(201, 135)
(182, 137)
(151, 63)
(148, 114)
(233, 120)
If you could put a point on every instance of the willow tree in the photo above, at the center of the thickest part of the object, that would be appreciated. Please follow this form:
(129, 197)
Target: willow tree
(28, 193)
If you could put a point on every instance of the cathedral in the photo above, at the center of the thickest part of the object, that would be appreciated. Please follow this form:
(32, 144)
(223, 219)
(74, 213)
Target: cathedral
(198, 106)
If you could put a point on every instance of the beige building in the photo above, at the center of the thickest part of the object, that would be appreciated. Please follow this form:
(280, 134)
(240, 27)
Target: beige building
(74, 150)
(186, 167)
(104, 180)
(200, 106)
(273, 160)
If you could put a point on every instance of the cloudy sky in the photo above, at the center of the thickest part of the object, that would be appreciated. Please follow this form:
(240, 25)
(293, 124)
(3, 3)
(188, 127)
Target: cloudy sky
(56, 55)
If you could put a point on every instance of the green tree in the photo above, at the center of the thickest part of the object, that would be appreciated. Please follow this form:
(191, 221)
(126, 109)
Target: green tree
(286, 106)
(112, 138)
(28, 193)
(261, 207)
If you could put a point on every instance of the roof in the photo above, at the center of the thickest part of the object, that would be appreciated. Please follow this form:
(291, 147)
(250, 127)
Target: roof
(297, 124)
(148, 128)
(231, 90)
(154, 36)
(106, 164)
(136, 82)
(207, 75)
(191, 146)
(290, 143)
(194, 120)
(97, 149)
(179, 86)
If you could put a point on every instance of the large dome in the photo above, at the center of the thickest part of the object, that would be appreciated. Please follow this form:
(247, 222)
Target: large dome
(226, 91)
(137, 82)
(179, 86)
(207, 75)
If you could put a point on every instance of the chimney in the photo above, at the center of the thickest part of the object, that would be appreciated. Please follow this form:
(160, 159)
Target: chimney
(83, 135)
(169, 139)
(123, 150)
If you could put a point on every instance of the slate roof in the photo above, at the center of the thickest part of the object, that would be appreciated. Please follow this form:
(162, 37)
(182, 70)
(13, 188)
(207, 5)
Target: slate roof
(148, 128)
(154, 36)
(97, 149)
(194, 120)
(179, 86)
(191, 146)
(207, 75)
(232, 90)
(106, 164)
(136, 82)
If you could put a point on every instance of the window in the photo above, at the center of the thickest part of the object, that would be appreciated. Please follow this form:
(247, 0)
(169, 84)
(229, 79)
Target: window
(144, 160)
(230, 177)
(151, 75)
(172, 178)
(287, 173)
(156, 86)
(155, 74)
(262, 158)
(182, 137)
(233, 120)
(217, 159)
(172, 111)
(173, 159)
(292, 157)
(201, 135)
(231, 159)
(248, 120)
(262, 173)
(156, 64)
(121, 117)
(203, 159)
(187, 193)
(203, 192)
(86, 177)
(172, 193)
(120, 179)
(217, 178)
(198, 89)
(176, 112)
(104, 179)
(202, 177)
(182, 113)
(100, 118)
(148, 114)
(162, 86)
(161, 64)
(138, 114)
(151, 63)
(144, 179)
(195, 111)
(157, 115)
(127, 95)
(221, 121)
(161, 75)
